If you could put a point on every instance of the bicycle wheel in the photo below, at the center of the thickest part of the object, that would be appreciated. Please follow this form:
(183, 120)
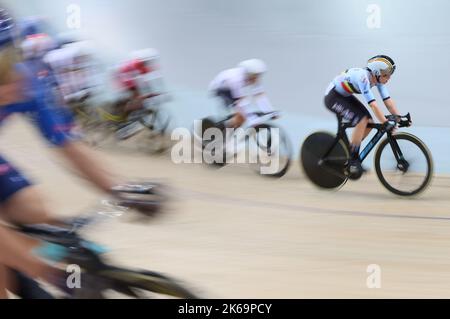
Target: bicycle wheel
(324, 172)
(155, 139)
(143, 285)
(273, 151)
(213, 149)
(404, 164)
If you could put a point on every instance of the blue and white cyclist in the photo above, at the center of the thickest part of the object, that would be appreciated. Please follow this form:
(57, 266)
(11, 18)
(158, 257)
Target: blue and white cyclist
(26, 87)
(240, 88)
(340, 99)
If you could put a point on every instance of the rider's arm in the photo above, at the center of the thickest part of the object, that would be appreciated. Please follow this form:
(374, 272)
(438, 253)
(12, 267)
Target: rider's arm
(390, 105)
(388, 101)
(263, 103)
(88, 165)
(57, 128)
(377, 111)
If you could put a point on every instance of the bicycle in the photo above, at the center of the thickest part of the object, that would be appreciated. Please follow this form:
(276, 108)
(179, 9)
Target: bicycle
(102, 122)
(263, 142)
(325, 158)
(100, 278)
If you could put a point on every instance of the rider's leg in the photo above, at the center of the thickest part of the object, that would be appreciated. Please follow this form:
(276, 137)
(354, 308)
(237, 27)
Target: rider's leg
(27, 207)
(135, 102)
(368, 130)
(16, 253)
(237, 120)
(3, 282)
(353, 111)
(229, 103)
(21, 203)
(357, 137)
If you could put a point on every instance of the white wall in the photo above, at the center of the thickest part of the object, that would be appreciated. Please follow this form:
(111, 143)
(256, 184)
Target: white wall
(306, 43)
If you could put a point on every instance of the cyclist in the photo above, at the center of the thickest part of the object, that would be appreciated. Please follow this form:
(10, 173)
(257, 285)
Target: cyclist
(25, 87)
(239, 88)
(72, 66)
(340, 99)
(139, 80)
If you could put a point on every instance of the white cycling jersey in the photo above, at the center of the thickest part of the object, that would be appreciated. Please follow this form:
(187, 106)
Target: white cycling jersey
(235, 81)
(74, 75)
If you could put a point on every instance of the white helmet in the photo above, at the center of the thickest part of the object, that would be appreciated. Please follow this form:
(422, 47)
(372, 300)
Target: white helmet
(381, 64)
(36, 46)
(254, 66)
(145, 55)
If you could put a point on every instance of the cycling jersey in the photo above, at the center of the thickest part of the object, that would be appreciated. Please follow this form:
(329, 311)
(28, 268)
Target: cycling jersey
(130, 72)
(74, 78)
(356, 81)
(232, 87)
(235, 81)
(41, 104)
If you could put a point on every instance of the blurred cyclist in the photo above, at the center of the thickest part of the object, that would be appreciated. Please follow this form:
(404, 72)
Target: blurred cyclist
(340, 99)
(26, 87)
(240, 87)
(139, 80)
(72, 65)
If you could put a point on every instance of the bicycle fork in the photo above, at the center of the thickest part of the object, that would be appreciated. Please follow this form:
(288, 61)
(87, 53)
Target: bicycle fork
(402, 163)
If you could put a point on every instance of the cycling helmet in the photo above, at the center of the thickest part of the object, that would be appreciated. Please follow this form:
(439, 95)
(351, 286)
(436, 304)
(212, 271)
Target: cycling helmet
(254, 67)
(381, 65)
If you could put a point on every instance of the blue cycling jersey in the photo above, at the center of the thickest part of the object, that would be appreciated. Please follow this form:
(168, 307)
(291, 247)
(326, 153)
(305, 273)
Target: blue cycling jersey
(54, 121)
(356, 81)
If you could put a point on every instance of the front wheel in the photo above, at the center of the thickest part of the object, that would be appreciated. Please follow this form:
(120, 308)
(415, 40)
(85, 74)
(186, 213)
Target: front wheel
(273, 151)
(404, 164)
(118, 282)
(156, 138)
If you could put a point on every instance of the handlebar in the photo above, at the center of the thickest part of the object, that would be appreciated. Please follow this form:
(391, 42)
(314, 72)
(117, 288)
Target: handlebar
(401, 120)
(145, 198)
(273, 114)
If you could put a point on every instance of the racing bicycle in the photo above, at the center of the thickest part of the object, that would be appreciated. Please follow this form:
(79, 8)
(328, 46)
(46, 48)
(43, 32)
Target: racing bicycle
(263, 145)
(403, 163)
(100, 278)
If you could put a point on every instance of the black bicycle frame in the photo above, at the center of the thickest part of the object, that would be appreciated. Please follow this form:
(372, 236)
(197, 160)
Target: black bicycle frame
(342, 135)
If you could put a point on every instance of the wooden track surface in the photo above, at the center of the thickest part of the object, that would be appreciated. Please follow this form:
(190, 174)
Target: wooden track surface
(232, 234)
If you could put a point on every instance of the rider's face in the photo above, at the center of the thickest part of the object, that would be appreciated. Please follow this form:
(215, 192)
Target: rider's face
(384, 78)
(252, 79)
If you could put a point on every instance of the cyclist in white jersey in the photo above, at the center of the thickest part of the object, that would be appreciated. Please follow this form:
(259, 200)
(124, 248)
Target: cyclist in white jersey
(239, 88)
(72, 65)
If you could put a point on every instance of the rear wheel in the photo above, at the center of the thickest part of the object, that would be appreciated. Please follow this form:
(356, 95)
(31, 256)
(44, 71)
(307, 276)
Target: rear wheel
(326, 172)
(404, 164)
(212, 143)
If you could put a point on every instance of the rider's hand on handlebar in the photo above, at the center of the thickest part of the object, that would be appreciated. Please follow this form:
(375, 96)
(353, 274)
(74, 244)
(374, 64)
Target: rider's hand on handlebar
(146, 198)
(389, 126)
